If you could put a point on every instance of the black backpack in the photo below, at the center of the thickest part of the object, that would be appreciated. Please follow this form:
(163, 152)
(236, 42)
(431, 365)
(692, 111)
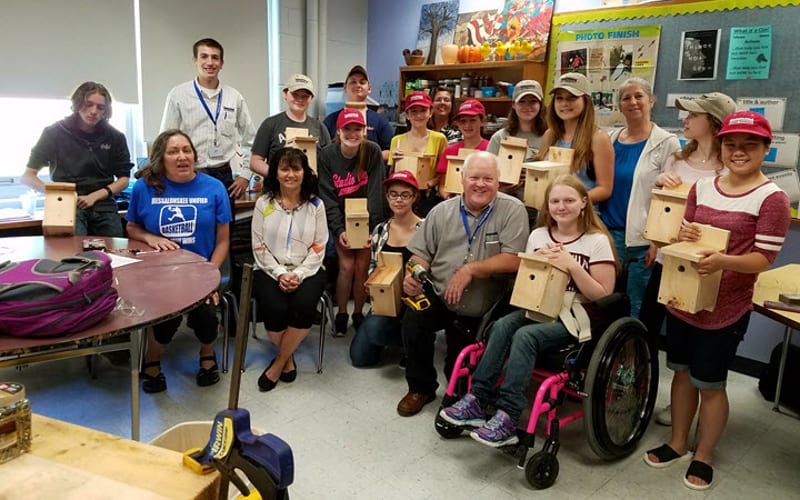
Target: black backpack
(790, 388)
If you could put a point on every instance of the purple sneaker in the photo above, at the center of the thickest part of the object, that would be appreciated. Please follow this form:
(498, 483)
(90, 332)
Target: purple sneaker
(465, 412)
(499, 431)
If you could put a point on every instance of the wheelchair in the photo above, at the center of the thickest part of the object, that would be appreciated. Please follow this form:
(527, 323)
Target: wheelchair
(616, 409)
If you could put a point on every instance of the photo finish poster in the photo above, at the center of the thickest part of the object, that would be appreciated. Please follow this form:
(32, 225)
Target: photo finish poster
(699, 55)
(608, 57)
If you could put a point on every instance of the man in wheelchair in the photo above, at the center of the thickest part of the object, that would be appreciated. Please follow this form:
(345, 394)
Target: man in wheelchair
(462, 243)
(571, 235)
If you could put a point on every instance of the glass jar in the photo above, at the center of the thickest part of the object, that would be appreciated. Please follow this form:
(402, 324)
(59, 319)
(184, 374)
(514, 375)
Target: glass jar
(15, 421)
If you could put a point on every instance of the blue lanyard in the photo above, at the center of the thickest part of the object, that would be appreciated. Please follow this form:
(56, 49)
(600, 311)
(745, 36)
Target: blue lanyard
(205, 106)
(471, 237)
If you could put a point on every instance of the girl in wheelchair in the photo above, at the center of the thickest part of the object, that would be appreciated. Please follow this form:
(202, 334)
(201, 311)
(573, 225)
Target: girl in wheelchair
(571, 235)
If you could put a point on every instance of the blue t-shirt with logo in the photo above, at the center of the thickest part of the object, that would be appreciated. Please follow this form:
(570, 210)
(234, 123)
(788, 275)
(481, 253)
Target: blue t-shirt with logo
(186, 213)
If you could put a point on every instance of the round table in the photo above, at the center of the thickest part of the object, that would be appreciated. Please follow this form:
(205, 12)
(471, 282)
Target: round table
(158, 286)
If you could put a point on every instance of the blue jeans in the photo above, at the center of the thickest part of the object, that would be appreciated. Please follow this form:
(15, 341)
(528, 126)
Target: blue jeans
(521, 340)
(375, 333)
(638, 276)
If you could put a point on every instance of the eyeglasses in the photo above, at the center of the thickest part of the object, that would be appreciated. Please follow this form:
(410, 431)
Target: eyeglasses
(405, 195)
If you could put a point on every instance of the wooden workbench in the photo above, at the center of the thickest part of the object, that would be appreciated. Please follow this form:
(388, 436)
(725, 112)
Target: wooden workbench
(67, 461)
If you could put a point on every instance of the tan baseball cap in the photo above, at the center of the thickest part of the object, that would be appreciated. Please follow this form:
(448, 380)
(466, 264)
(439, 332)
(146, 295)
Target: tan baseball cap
(299, 82)
(527, 87)
(715, 104)
(574, 83)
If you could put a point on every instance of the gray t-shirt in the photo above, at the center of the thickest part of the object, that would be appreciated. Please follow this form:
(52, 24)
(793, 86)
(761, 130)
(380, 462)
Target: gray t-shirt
(534, 142)
(442, 241)
(271, 135)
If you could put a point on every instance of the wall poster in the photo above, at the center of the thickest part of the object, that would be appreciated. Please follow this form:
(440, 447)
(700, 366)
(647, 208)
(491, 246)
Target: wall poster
(608, 57)
(699, 55)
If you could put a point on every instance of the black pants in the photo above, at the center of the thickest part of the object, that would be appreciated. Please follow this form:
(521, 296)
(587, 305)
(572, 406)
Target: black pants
(202, 319)
(419, 339)
(279, 309)
(225, 175)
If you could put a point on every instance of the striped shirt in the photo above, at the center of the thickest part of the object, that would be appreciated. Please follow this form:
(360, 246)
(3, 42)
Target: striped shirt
(757, 220)
(233, 133)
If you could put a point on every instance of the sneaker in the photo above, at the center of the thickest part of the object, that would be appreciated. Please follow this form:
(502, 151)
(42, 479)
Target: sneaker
(664, 417)
(465, 412)
(497, 432)
(340, 324)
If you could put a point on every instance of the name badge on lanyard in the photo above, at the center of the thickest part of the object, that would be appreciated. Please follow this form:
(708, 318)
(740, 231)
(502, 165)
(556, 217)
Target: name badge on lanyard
(471, 236)
(215, 150)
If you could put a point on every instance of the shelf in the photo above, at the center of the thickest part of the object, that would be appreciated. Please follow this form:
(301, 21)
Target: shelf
(481, 99)
(468, 66)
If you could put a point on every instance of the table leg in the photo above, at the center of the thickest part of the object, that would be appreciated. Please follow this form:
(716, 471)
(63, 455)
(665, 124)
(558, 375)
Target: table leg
(787, 339)
(136, 349)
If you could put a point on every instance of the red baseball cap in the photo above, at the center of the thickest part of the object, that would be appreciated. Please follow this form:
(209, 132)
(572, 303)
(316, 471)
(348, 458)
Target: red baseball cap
(470, 107)
(418, 98)
(348, 116)
(403, 176)
(746, 122)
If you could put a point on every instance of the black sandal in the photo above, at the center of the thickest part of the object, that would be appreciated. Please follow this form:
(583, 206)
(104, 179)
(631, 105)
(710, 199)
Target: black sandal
(153, 383)
(208, 376)
(700, 470)
(665, 454)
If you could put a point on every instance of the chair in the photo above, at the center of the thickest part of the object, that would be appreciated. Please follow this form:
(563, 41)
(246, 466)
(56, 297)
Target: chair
(228, 302)
(325, 306)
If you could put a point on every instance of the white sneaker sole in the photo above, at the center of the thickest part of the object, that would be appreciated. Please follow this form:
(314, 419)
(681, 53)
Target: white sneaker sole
(494, 444)
(475, 422)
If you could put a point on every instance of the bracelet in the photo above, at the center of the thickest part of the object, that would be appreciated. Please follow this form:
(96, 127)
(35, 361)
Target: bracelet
(109, 191)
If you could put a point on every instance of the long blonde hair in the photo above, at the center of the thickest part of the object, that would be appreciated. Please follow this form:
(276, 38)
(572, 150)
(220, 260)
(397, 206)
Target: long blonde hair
(588, 221)
(582, 142)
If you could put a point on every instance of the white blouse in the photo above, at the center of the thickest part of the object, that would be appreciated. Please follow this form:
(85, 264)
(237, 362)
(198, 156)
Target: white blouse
(287, 241)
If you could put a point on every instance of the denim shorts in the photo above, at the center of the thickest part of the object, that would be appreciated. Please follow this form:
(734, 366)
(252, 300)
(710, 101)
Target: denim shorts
(706, 354)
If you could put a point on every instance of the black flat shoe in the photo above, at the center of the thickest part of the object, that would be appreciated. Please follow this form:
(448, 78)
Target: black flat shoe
(153, 383)
(208, 376)
(289, 376)
(340, 324)
(264, 383)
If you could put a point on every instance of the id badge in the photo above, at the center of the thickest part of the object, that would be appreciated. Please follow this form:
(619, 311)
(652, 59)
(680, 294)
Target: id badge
(214, 148)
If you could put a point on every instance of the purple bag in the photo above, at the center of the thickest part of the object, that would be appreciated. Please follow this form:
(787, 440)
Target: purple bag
(42, 297)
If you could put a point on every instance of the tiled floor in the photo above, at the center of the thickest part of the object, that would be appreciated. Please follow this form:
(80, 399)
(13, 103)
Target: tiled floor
(349, 443)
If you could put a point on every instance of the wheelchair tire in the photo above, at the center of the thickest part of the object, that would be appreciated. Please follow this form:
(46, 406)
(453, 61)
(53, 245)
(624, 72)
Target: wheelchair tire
(619, 405)
(446, 429)
(541, 470)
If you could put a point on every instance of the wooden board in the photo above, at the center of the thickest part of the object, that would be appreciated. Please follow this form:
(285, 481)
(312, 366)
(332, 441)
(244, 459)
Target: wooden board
(110, 465)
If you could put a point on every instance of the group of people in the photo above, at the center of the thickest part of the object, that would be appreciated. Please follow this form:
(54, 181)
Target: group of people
(592, 220)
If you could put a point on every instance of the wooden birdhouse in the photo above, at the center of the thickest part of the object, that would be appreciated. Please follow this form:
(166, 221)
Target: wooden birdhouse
(419, 164)
(452, 180)
(385, 284)
(307, 145)
(356, 221)
(682, 287)
(539, 175)
(560, 155)
(510, 157)
(664, 217)
(360, 106)
(60, 201)
(539, 287)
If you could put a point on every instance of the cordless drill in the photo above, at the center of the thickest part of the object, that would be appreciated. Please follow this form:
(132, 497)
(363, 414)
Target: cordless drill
(418, 302)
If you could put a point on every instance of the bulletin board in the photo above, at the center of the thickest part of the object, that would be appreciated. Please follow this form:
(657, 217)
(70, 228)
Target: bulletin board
(676, 17)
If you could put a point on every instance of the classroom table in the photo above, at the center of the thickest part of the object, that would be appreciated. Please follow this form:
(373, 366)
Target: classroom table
(69, 461)
(770, 284)
(156, 287)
